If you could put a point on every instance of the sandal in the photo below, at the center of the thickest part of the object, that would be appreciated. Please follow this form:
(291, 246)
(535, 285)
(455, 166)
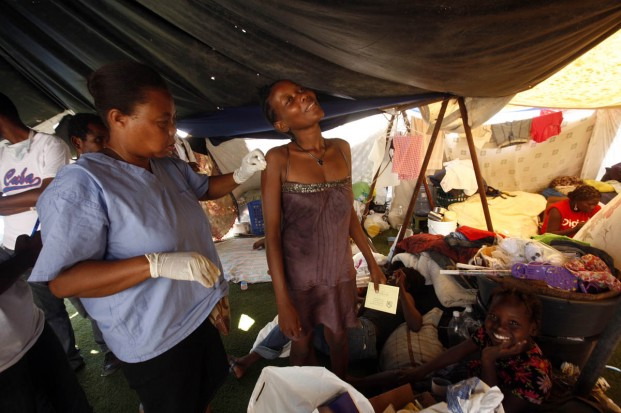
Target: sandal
(554, 276)
(234, 368)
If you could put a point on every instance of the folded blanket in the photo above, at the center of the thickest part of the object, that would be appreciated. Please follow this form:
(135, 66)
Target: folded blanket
(429, 242)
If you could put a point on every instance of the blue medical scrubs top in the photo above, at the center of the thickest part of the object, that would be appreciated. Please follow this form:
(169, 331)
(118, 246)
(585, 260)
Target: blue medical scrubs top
(103, 209)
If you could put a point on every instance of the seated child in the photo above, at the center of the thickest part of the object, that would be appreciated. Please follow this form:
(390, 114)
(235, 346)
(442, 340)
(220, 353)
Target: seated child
(566, 217)
(510, 359)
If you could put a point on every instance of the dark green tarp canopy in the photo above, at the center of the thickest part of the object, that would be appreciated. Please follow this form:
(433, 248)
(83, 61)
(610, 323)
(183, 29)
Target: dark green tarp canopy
(215, 54)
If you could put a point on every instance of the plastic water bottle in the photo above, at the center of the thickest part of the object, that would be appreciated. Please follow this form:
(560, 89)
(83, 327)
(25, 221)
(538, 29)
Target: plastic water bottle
(243, 285)
(456, 329)
(470, 323)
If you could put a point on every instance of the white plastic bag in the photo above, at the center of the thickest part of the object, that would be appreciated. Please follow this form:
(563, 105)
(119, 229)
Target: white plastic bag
(375, 223)
(522, 250)
(513, 250)
(473, 395)
(300, 389)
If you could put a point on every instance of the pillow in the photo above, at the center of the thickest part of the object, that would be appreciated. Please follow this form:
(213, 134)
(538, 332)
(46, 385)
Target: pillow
(406, 348)
(600, 186)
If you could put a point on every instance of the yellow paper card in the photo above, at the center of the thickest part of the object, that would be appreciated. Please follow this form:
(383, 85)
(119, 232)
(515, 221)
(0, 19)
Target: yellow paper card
(385, 300)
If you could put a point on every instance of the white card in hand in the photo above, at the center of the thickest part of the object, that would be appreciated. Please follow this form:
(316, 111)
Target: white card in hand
(385, 300)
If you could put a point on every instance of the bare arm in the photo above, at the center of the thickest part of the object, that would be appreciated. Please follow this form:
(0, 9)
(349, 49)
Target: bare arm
(14, 204)
(100, 278)
(450, 356)
(490, 354)
(271, 183)
(219, 186)
(360, 238)
(554, 224)
(392, 378)
(412, 316)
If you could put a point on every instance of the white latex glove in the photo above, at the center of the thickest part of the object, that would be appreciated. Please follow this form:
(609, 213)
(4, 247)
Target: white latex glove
(254, 161)
(190, 266)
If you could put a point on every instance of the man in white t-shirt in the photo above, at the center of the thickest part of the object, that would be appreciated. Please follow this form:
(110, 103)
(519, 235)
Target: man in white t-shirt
(29, 160)
(34, 372)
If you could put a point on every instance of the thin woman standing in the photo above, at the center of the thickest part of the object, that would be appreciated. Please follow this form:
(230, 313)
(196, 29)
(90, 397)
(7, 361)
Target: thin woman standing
(309, 218)
(123, 230)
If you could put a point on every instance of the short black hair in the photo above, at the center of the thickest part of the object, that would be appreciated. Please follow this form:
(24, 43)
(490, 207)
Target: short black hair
(264, 96)
(584, 193)
(8, 109)
(78, 124)
(531, 301)
(122, 85)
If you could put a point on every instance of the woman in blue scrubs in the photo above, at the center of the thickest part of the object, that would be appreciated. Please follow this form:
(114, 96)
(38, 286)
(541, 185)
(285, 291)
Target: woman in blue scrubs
(123, 230)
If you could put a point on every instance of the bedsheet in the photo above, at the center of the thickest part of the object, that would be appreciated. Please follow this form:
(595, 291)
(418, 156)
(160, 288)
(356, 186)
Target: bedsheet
(240, 262)
(516, 216)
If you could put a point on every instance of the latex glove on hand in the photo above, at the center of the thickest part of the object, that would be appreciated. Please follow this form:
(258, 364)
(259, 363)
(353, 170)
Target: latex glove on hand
(188, 266)
(253, 162)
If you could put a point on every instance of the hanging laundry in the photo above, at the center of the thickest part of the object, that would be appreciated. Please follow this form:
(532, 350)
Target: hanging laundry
(408, 157)
(511, 133)
(545, 126)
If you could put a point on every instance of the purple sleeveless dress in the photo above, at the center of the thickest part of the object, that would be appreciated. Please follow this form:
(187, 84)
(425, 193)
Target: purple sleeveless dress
(317, 256)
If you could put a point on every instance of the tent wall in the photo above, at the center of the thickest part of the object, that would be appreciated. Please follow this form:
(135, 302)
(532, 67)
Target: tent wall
(215, 53)
(600, 152)
(531, 166)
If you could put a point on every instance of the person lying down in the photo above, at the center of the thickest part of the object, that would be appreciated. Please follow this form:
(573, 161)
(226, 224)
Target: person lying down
(365, 341)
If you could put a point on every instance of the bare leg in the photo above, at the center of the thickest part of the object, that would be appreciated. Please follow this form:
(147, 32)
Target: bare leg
(240, 365)
(303, 352)
(339, 352)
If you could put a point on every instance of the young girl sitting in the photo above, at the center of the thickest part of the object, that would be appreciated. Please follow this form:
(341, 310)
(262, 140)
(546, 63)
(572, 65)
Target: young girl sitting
(510, 359)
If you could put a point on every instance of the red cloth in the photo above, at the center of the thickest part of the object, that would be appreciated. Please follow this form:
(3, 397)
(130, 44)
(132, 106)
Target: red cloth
(430, 242)
(546, 126)
(569, 217)
(408, 157)
(474, 234)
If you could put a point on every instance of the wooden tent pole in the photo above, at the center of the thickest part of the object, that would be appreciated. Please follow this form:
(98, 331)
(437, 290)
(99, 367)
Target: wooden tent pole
(604, 348)
(475, 162)
(423, 170)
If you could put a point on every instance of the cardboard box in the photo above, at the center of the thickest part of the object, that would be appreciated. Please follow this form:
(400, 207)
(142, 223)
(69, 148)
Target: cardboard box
(399, 397)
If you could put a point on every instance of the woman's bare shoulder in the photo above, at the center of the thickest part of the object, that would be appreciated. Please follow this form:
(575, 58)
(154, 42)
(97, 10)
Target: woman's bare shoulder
(276, 154)
(342, 144)
(337, 141)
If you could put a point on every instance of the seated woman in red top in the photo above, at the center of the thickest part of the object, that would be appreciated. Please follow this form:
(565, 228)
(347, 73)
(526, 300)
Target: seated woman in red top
(568, 216)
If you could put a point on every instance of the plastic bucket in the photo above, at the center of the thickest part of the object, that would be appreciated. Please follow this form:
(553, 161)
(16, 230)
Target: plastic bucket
(441, 228)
